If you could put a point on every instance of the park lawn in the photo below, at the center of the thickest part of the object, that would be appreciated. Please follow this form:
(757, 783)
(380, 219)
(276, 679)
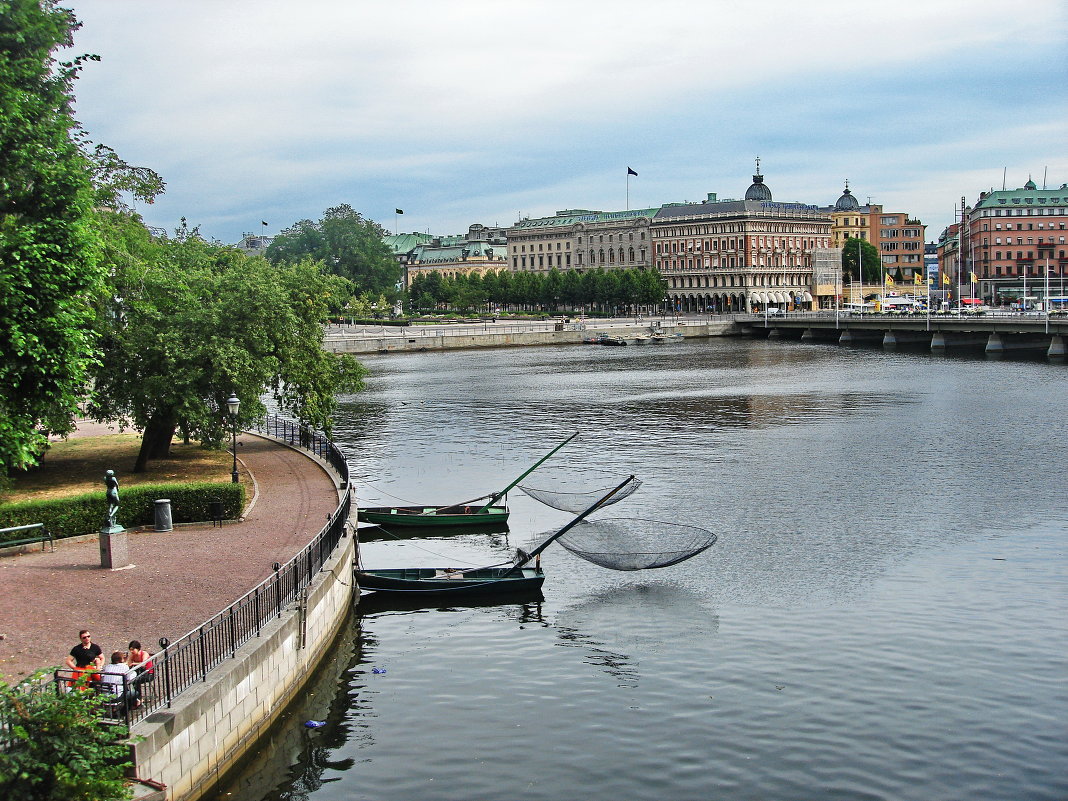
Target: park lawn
(77, 465)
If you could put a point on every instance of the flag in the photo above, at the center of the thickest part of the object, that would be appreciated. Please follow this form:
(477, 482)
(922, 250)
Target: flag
(399, 211)
(917, 279)
(631, 172)
(889, 281)
(974, 279)
(262, 222)
(945, 280)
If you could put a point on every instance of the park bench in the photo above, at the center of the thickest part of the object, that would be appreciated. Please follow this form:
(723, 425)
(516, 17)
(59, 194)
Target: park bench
(41, 535)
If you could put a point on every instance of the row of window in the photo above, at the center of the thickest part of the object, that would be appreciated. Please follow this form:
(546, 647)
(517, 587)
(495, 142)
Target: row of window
(1020, 240)
(1019, 254)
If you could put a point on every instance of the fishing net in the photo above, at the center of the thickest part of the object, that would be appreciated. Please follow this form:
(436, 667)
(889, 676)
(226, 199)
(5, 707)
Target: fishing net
(578, 502)
(634, 544)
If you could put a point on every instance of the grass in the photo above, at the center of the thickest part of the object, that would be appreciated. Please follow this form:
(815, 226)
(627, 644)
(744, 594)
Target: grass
(77, 465)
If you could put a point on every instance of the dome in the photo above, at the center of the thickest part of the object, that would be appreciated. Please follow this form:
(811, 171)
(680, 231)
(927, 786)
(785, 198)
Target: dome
(1030, 184)
(758, 191)
(847, 202)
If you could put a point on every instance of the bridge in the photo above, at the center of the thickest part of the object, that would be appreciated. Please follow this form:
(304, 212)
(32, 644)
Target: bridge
(994, 334)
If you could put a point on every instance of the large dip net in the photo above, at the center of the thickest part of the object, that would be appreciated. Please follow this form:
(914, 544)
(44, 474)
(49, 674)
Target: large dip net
(578, 502)
(635, 544)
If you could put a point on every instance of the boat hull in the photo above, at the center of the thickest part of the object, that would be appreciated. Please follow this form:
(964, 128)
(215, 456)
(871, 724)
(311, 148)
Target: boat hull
(432, 516)
(451, 582)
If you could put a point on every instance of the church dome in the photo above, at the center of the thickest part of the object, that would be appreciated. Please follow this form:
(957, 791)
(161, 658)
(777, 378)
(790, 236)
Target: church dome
(1030, 185)
(847, 202)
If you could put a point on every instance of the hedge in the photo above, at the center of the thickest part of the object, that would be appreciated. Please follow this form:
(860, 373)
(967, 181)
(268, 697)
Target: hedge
(84, 514)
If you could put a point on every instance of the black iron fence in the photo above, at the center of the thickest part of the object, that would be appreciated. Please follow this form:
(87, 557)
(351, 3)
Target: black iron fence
(187, 661)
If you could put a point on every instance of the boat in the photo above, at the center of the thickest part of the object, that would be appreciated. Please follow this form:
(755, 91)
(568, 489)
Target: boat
(439, 581)
(604, 339)
(491, 580)
(467, 513)
(376, 533)
(435, 517)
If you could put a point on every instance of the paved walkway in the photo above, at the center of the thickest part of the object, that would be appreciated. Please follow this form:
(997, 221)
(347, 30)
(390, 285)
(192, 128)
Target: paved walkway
(179, 578)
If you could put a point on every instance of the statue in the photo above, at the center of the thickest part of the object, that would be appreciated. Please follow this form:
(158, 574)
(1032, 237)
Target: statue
(111, 523)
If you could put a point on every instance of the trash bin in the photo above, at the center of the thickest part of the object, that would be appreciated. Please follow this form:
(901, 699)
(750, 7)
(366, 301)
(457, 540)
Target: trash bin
(163, 515)
(215, 512)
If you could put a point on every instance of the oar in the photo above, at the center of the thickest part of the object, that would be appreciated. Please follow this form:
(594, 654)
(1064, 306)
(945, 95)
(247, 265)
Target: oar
(572, 524)
(504, 491)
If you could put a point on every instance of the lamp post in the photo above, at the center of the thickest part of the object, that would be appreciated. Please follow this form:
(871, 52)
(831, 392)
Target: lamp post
(232, 405)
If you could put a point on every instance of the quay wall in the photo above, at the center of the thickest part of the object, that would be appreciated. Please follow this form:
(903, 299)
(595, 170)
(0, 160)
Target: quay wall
(409, 339)
(190, 746)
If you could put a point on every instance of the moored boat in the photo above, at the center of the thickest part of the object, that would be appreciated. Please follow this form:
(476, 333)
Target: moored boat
(451, 581)
(434, 516)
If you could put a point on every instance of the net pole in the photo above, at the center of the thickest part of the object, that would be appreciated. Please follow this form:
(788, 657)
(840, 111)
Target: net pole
(537, 464)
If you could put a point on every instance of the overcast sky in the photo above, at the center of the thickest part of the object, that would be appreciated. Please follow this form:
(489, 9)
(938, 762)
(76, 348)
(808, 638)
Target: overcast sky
(464, 111)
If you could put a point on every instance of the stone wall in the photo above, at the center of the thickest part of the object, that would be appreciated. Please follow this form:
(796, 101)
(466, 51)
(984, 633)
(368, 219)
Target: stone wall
(191, 745)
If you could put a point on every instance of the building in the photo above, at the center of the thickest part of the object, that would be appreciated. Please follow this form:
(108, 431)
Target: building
(579, 239)
(481, 251)
(740, 255)
(1011, 244)
(898, 237)
(253, 244)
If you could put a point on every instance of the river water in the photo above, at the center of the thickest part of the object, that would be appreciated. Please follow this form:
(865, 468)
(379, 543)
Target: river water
(884, 616)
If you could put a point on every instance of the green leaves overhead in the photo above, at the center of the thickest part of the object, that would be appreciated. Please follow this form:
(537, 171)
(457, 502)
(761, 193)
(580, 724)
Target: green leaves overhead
(49, 272)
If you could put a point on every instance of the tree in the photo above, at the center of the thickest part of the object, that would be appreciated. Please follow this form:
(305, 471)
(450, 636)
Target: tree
(192, 321)
(347, 244)
(49, 271)
(870, 261)
(57, 749)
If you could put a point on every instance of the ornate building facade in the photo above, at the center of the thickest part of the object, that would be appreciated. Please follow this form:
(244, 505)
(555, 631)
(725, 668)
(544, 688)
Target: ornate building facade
(740, 255)
(898, 237)
(579, 239)
(483, 250)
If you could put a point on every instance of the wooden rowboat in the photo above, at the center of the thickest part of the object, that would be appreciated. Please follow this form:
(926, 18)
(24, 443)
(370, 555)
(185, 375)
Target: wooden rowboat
(451, 581)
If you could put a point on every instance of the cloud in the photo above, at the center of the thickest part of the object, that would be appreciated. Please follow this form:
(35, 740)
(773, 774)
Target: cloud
(470, 108)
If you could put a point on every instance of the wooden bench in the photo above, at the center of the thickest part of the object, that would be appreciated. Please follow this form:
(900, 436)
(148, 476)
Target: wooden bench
(42, 536)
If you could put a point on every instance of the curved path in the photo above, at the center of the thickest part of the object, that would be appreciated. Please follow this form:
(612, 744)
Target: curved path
(178, 579)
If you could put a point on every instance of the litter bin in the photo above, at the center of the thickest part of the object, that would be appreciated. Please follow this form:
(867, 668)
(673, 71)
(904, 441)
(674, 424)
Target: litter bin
(163, 515)
(215, 512)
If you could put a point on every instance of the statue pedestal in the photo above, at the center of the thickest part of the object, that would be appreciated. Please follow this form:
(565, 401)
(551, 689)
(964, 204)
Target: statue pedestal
(114, 547)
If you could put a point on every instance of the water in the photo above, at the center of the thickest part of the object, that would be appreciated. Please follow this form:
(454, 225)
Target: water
(883, 616)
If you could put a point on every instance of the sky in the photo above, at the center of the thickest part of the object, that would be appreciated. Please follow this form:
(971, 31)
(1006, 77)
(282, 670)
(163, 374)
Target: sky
(489, 111)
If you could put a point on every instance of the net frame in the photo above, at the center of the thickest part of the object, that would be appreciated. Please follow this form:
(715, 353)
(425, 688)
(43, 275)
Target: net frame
(604, 542)
(576, 502)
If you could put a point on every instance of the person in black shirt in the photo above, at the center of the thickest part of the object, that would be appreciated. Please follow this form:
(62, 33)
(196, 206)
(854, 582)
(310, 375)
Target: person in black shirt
(86, 653)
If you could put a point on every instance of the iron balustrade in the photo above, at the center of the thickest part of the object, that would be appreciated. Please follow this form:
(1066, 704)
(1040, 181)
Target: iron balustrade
(189, 660)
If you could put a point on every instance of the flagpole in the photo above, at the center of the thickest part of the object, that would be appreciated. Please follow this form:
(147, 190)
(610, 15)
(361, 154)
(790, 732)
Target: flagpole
(628, 189)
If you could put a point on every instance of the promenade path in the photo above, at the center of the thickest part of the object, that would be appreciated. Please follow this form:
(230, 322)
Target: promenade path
(177, 580)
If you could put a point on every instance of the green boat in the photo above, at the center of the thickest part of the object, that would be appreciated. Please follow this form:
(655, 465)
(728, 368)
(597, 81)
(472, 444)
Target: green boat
(467, 513)
(435, 516)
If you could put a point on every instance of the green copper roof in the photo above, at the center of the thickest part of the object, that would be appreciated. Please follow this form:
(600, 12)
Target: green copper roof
(573, 216)
(1023, 197)
(403, 243)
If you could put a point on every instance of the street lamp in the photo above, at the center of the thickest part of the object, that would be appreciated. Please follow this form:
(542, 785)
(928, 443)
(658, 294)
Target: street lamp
(232, 405)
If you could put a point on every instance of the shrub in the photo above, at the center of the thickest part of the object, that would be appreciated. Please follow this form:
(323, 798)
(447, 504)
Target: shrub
(84, 514)
(57, 747)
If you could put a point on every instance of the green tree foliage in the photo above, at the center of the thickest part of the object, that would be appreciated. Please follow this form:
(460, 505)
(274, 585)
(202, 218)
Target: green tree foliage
(58, 748)
(869, 257)
(602, 290)
(346, 244)
(49, 271)
(192, 321)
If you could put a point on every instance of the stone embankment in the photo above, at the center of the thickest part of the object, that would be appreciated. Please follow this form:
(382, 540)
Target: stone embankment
(362, 339)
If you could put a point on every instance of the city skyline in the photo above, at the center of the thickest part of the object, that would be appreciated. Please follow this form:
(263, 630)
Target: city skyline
(488, 112)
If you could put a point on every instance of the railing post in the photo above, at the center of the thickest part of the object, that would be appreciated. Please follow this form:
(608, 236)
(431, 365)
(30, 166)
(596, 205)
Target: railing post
(203, 656)
(277, 591)
(165, 668)
(256, 603)
(233, 634)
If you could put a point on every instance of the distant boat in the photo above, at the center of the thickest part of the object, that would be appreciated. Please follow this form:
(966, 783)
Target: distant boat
(466, 513)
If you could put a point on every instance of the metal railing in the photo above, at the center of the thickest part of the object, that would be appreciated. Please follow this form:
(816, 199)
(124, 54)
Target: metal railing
(187, 661)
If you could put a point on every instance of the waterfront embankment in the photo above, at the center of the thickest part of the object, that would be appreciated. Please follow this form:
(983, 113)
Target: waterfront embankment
(357, 339)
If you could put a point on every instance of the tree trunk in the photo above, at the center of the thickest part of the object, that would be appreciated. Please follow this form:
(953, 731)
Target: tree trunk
(156, 441)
